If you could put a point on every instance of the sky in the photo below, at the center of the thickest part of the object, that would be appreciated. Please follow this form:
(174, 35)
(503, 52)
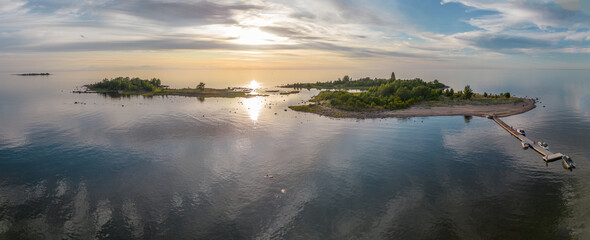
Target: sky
(61, 35)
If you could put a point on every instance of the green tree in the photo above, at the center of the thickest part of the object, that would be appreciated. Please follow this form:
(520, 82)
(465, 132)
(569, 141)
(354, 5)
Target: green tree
(467, 93)
(403, 93)
(201, 86)
(507, 95)
(346, 78)
(485, 94)
(421, 91)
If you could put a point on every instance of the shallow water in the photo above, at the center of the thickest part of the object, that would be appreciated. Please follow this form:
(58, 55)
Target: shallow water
(178, 167)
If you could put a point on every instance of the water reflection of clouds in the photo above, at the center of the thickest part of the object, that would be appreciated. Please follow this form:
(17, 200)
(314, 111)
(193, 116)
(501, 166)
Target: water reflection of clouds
(396, 210)
(464, 141)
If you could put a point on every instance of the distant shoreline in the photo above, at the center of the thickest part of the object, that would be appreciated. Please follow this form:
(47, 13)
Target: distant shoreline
(423, 110)
(122, 86)
(32, 74)
(204, 93)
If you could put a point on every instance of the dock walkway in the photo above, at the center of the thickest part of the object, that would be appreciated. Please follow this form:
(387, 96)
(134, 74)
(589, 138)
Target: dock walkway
(547, 155)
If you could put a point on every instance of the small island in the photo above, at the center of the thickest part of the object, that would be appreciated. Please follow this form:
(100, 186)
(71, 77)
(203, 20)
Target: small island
(32, 74)
(381, 98)
(154, 87)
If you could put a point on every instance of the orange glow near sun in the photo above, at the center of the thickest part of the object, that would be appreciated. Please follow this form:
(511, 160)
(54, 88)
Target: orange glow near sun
(254, 85)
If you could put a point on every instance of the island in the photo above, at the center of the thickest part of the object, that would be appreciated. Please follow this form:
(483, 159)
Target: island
(32, 74)
(381, 98)
(154, 87)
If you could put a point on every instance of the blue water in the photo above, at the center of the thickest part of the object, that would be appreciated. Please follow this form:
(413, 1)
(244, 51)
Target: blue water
(184, 168)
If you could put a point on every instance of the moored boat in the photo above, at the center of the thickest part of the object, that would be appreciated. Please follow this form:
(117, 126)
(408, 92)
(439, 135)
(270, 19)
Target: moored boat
(568, 163)
(543, 145)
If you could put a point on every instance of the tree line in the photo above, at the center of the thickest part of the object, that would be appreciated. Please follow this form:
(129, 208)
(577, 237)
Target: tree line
(398, 94)
(362, 83)
(127, 84)
(393, 94)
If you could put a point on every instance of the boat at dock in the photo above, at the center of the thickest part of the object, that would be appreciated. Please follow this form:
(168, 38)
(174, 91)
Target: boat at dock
(567, 162)
(539, 147)
(543, 145)
(553, 157)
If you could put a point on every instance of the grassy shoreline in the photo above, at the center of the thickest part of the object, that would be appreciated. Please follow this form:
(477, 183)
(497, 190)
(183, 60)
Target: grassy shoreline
(125, 86)
(207, 92)
(405, 98)
(451, 108)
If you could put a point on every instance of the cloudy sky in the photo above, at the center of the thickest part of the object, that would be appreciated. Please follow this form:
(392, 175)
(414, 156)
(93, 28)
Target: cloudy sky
(294, 34)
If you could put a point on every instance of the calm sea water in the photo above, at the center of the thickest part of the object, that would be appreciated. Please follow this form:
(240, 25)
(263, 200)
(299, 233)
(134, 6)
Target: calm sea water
(183, 168)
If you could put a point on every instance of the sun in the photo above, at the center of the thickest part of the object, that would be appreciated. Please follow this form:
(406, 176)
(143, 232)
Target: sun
(254, 85)
(254, 36)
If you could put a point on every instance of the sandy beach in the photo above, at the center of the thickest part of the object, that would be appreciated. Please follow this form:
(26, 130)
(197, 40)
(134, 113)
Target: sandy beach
(500, 110)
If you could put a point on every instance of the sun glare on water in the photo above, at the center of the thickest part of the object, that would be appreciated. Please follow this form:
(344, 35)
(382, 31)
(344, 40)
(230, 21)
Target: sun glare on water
(253, 106)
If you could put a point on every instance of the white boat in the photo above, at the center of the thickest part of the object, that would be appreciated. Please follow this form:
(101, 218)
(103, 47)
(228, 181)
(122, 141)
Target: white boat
(524, 145)
(521, 132)
(543, 145)
(568, 163)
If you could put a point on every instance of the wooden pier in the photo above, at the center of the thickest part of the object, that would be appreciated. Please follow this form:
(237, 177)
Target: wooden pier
(547, 155)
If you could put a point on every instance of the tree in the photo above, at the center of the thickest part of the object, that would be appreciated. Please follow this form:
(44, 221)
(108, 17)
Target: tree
(346, 78)
(421, 91)
(403, 93)
(485, 94)
(507, 95)
(449, 92)
(467, 93)
(201, 86)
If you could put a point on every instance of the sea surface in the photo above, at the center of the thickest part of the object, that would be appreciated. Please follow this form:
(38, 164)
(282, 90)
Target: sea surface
(84, 166)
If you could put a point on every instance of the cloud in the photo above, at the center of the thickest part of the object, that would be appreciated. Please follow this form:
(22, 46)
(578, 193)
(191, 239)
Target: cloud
(11, 6)
(578, 36)
(516, 27)
(348, 29)
(523, 14)
(505, 42)
(182, 12)
(195, 25)
(290, 32)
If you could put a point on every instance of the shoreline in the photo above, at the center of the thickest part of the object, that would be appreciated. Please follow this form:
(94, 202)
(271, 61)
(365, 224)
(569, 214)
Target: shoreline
(500, 110)
(205, 93)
